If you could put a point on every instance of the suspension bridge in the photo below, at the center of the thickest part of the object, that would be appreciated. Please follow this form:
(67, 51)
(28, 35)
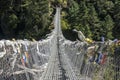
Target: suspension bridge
(54, 58)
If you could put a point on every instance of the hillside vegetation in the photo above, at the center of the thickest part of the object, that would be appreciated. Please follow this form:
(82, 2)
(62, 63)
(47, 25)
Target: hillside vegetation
(34, 18)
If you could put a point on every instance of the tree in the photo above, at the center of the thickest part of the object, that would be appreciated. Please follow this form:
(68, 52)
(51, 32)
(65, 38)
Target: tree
(35, 15)
(116, 13)
(108, 26)
(73, 12)
(8, 18)
(94, 22)
(104, 28)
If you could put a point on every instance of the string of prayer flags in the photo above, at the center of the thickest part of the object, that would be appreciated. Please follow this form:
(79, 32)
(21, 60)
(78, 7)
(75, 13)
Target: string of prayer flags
(22, 60)
(26, 54)
(104, 59)
(92, 58)
(88, 40)
(115, 40)
(100, 55)
(103, 39)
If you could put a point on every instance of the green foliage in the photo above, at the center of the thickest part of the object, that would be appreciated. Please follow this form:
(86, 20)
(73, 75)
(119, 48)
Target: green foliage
(104, 72)
(25, 19)
(64, 24)
(93, 18)
(116, 12)
(108, 25)
(94, 22)
(73, 14)
(32, 18)
(109, 71)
